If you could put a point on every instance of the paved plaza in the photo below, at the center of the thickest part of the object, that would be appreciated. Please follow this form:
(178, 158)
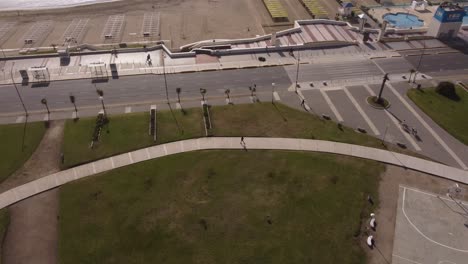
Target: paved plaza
(430, 229)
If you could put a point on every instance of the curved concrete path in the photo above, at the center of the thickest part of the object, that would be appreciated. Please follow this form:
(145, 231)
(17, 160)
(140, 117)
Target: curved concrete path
(57, 179)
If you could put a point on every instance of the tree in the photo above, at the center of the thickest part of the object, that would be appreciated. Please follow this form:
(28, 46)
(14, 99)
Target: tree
(447, 89)
(203, 92)
(101, 98)
(252, 91)
(72, 100)
(178, 90)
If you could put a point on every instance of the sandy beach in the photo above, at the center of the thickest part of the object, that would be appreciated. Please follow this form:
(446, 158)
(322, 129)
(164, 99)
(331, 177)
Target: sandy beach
(181, 21)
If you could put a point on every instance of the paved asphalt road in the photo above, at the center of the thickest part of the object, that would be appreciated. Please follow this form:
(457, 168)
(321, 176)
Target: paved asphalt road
(439, 63)
(148, 88)
(134, 89)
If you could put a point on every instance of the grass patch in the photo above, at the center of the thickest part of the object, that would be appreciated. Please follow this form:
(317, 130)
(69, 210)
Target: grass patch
(449, 114)
(12, 154)
(220, 207)
(127, 132)
(268, 120)
(4, 222)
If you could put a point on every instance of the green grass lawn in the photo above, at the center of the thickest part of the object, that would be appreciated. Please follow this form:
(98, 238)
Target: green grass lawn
(126, 133)
(129, 132)
(12, 154)
(449, 114)
(268, 120)
(220, 207)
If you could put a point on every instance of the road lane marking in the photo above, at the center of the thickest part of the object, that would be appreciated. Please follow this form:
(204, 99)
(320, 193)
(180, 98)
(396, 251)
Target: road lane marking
(363, 114)
(395, 122)
(332, 106)
(276, 96)
(302, 98)
(19, 119)
(426, 125)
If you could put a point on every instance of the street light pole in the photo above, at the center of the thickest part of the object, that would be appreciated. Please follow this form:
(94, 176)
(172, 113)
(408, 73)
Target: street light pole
(17, 91)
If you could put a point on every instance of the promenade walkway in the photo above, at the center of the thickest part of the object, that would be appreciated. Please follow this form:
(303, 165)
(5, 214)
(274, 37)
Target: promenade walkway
(57, 179)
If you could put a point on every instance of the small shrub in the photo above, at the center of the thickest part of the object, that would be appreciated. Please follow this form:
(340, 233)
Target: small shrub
(447, 89)
(334, 179)
(203, 223)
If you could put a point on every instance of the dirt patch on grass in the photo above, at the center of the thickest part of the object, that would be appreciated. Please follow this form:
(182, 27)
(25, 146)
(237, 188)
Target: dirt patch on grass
(44, 161)
(32, 233)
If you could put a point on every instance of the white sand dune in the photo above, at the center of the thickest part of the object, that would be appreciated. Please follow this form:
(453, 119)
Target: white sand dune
(45, 4)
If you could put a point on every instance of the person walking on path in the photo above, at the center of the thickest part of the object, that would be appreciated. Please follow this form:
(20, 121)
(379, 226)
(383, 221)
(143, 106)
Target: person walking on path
(242, 142)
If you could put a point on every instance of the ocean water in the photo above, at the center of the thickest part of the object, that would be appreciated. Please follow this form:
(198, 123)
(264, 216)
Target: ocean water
(41, 4)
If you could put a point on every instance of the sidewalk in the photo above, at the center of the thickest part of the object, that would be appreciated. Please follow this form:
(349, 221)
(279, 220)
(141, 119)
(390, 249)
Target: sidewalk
(57, 179)
(172, 65)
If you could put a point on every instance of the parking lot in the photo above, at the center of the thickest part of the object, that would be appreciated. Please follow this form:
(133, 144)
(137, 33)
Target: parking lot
(430, 229)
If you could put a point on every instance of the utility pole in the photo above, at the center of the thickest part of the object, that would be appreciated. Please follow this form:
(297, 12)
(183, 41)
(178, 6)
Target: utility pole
(385, 78)
(17, 91)
(297, 71)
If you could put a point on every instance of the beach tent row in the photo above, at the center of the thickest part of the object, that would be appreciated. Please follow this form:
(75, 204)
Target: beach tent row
(315, 8)
(276, 10)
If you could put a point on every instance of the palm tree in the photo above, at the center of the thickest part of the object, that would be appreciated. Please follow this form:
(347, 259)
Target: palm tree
(178, 90)
(44, 102)
(72, 100)
(252, 91)
(101, 98)
(203, 92)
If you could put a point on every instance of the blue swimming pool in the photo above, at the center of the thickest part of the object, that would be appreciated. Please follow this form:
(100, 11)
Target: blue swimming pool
(403, 20)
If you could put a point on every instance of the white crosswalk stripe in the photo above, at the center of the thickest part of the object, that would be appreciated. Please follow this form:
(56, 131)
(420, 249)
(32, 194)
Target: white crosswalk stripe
(332, 106)
(363, 114)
